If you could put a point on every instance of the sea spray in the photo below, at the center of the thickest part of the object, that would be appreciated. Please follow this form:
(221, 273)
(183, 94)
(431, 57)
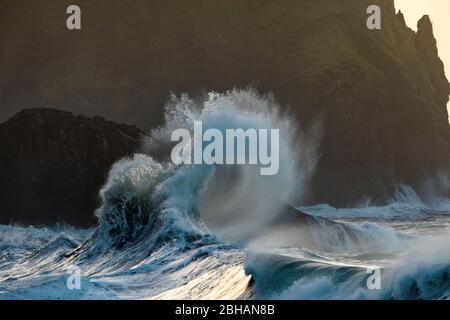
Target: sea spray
(237, 200)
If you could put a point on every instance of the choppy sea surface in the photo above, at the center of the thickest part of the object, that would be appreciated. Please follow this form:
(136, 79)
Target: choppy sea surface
(162, 231)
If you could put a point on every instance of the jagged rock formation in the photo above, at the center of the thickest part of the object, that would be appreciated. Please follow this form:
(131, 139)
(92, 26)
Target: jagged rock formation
(53, 164)
(384, 110)
(380, 95)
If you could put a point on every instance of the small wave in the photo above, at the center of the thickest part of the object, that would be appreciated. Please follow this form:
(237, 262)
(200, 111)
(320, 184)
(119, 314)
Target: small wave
(405, 205)
(34, 237)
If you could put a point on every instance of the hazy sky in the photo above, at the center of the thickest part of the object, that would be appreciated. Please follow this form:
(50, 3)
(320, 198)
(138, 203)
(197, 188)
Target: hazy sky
(439, 12)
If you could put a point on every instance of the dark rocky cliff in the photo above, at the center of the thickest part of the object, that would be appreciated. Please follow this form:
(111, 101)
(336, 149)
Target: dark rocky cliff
(53, 164)
(380, 95)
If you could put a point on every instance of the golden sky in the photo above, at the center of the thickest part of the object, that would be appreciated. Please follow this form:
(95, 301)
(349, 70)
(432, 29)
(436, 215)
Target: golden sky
(439, 12)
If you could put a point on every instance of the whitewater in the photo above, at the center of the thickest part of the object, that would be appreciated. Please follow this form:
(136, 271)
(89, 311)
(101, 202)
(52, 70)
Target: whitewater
(170, 231)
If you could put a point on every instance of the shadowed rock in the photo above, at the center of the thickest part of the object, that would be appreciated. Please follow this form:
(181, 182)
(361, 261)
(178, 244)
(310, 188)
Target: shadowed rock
(53, 164)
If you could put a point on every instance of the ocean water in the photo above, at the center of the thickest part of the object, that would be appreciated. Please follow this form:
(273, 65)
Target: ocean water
(204, 232)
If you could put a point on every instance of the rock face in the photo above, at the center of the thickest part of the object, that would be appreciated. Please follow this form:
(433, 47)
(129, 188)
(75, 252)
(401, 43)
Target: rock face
(384, 112)
(380, 94)
(53, 164)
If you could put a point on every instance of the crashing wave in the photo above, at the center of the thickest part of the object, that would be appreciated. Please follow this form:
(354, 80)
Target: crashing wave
(210, 232)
